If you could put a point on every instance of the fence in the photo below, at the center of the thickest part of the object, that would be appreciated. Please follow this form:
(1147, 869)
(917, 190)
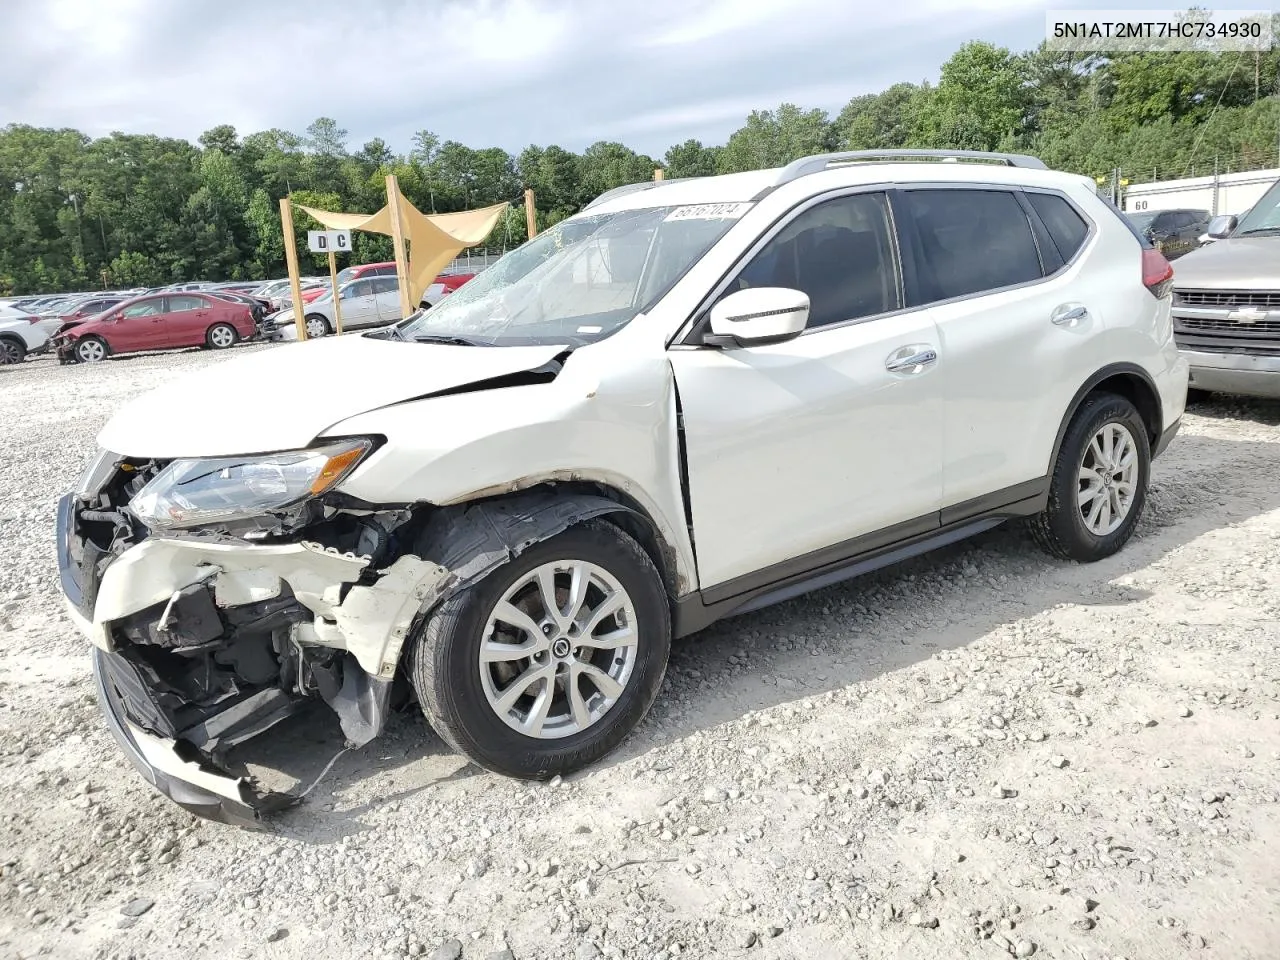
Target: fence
(1220, 193)
(472, 262)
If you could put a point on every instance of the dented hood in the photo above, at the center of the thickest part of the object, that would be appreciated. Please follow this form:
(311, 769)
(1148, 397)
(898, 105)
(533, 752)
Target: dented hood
(283, 398)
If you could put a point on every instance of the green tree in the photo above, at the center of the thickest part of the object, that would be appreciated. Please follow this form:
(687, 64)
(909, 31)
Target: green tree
(772, 138)
(981, 101)
(690, 159)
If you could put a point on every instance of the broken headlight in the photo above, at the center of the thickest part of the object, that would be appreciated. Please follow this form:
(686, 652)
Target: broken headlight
(191, 493)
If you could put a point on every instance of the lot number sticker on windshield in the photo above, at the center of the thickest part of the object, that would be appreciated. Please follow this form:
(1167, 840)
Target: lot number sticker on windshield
(709, 211)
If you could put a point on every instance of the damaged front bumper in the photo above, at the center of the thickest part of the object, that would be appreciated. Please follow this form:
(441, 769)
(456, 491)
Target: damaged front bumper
(196, 785)
(202, 642)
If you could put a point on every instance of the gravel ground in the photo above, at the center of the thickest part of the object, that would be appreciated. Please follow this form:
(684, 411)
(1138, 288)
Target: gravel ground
(977, 753)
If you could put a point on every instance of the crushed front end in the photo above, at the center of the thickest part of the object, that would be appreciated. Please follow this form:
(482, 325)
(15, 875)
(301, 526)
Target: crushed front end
(207, 635)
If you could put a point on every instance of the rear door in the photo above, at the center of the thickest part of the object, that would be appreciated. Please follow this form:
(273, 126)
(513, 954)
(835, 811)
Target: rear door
(184, 322)
(1018, 326)
(387, 292)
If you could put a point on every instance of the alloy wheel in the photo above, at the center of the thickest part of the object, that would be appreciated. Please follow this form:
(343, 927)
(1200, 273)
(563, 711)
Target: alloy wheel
(90, 351)
(10, 352)
(558, 649)
(1108, 479)
(222, 337)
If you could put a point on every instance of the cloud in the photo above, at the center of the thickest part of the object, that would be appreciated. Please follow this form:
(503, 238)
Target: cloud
(504, 72)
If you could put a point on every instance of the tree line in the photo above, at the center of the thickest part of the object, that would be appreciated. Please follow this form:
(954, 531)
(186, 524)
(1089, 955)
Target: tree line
(125, 209)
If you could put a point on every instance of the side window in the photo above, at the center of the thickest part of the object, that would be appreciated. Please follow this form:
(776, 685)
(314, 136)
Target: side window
(182, 304)
(359, 288)
(840, 253)
(146, 308)
(385, 285)
(1067, 228)
(970, 241)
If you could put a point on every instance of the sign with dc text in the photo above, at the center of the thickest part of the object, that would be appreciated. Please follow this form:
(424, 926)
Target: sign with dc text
(329, 241)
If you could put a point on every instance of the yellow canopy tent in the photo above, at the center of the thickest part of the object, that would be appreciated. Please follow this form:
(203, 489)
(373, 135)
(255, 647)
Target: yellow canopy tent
(433, 240)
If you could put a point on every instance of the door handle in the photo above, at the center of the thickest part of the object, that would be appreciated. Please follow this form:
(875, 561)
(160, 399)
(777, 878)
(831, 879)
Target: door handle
(1069, 316)
(912, 359)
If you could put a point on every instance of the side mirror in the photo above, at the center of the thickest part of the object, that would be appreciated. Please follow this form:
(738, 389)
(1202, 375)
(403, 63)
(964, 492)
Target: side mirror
(1221, 227)
(758, 316)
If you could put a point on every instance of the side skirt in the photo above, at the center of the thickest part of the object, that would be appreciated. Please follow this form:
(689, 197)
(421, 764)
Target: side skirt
(855, 557)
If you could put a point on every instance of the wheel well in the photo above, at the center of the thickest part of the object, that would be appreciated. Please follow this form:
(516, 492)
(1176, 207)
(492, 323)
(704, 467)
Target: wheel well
(635, 521)
(1125, 380)
(1141, 394)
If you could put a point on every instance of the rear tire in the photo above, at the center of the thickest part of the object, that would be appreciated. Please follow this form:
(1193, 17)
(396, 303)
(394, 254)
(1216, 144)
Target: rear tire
(221, 336)
(91, 350)
(1099, 482)
(464, 695)
(12, 350)
(317, 326)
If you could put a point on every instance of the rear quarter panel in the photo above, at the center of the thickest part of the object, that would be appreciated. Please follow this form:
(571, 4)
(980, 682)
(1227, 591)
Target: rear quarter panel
(1137, 327)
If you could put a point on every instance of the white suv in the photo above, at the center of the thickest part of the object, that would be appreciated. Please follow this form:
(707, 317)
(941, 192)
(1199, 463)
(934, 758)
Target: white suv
(690, 400)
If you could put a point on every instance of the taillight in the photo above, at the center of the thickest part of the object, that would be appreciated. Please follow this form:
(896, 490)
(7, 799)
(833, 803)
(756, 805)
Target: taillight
(1157, 273)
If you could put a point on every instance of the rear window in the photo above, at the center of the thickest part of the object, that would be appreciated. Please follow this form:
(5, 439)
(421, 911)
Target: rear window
(971, 241)
(1066, 227)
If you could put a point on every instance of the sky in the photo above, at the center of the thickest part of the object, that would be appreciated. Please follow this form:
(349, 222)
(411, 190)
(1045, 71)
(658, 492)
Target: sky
(508, 73)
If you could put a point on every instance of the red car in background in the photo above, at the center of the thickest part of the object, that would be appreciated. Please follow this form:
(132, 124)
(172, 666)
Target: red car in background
(155, 322)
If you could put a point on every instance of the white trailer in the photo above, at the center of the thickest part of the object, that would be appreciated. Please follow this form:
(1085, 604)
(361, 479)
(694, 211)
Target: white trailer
(1220, 193)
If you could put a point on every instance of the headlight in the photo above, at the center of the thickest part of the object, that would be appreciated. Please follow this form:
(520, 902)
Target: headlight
(190, 493)
(97, 473)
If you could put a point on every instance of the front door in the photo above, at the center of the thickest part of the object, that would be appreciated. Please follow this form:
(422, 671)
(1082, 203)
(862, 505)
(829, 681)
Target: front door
(134, 327)
(359, 304)
(795, 449)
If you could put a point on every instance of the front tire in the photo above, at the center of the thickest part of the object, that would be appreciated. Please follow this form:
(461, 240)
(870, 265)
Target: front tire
(532, 687)
(91, 350)
(1099, 483)
(317, 326)
(221, 336)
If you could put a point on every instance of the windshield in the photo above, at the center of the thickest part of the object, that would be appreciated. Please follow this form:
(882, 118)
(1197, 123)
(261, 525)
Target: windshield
(580, 280)
(1265, 215)
(1141, 220)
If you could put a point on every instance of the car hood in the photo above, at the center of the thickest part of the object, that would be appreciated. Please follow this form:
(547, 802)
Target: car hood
(66, 325)
(1236, 263)
(283, 398)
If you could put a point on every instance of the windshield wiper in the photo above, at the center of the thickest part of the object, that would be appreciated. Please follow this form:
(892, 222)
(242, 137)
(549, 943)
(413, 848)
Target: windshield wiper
(1245, 233)
(386, 333)
(453, 340)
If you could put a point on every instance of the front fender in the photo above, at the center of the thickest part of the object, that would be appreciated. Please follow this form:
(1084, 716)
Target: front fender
(459, 546)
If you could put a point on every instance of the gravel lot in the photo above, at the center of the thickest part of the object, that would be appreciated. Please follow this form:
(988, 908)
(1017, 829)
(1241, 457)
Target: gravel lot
(978, 753)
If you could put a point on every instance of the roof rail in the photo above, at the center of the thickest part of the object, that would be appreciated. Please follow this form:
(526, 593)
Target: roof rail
(819, 162)
(634, 188)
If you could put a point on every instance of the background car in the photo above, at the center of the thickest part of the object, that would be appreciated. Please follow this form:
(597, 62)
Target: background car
(21, 333)
(1173, 232)
(444, 285)
(366, 302)
(86, 307)
(386, 268)
(156, 322)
